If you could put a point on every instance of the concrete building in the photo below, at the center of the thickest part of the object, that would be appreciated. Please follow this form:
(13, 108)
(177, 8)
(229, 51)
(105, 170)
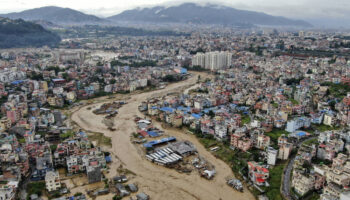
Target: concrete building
(8, 191)
(329, 120)
(220, 131)
(271, 156)
(284, 151)
(70, 56)
(298, 123)
(345, 196)
(212, 60)
(52, 181)
(94, 174)
(333, 190)
(257, 173)
(302, 183)
(263, 141)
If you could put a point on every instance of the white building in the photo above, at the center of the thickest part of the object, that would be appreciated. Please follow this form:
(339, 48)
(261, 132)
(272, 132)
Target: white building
(220, 131)
(7, 75)
(271, 156)
(298, 123)
(8, 191)
(345, 196)
(329, 119)
(212, 60)
(70, 56)
(52, 181)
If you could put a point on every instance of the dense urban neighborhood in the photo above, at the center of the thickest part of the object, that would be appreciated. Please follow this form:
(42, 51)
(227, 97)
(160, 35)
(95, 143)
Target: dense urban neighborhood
(204, 113)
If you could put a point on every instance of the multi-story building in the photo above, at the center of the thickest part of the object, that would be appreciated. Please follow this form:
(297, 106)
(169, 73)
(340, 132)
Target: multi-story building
(240, 141)
(257, 173)
(52, 181)
(212, 60)
(332, 190)
(298, 123)
(271, 156)
(302, 183)
(94, 173)
(8, 191)
(263, 141)
(345, 196)
(284, 151)
(329, 119)
(338, 176)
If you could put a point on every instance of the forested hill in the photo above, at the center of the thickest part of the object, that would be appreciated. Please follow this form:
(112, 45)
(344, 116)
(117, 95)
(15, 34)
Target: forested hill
(19, 33)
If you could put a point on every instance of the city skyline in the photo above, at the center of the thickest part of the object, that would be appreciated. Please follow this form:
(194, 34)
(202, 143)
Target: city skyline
(181, 102)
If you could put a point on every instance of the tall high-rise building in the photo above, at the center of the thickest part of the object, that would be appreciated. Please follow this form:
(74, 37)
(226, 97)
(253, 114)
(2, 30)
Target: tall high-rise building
(212, 60)
(198, 60)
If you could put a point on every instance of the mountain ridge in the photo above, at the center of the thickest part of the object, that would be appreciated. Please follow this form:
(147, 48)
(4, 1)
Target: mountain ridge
(208, 14)
(186, 13)
(54, 14)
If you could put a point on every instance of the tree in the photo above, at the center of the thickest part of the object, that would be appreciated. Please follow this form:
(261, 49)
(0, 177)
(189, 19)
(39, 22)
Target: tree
(65, 76)
(78, 194)
(117, 197)
(332, 104)
(53, 148)
(169, 78)
(112, 81)
(36, 76)
(211, 114)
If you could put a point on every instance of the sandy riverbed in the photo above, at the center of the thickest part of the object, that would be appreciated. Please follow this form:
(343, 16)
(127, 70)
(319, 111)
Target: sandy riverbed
(157, 181)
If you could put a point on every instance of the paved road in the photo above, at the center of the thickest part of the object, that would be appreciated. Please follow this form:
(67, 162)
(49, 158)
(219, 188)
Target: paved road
(286, 185)
(286, 180)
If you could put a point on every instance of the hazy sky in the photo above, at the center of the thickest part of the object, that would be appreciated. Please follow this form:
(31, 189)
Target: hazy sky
(299, 9)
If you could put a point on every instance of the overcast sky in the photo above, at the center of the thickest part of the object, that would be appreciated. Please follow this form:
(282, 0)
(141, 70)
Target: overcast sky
(299, 9)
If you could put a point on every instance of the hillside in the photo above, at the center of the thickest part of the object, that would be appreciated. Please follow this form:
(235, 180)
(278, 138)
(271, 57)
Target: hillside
(55, 15)
(19, 33)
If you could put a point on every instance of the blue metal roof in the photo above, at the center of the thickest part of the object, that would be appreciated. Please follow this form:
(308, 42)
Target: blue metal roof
(167, 109)
(182, 108)
(83, 134)
(17, 82)
(197, 116)
(209, 109)
(108, 159)
(58, 79)
(156, 142)
(152, 134)
(183, 71)
(301, 134)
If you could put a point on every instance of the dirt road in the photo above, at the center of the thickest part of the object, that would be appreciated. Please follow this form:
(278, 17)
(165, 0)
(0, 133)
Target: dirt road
(159, 182)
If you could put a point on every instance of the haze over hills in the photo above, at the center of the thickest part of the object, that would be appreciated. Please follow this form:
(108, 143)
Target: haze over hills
(55, 15)
(209, 14)
(20, 33)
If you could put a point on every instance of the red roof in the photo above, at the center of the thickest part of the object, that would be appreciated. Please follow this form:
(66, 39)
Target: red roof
(260, 180)
(143, 133)
(94, 163)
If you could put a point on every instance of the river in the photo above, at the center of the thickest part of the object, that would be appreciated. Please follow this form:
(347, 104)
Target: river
(159, 182)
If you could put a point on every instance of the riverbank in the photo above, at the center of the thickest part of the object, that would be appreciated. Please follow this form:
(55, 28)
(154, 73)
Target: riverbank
(159, 182)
